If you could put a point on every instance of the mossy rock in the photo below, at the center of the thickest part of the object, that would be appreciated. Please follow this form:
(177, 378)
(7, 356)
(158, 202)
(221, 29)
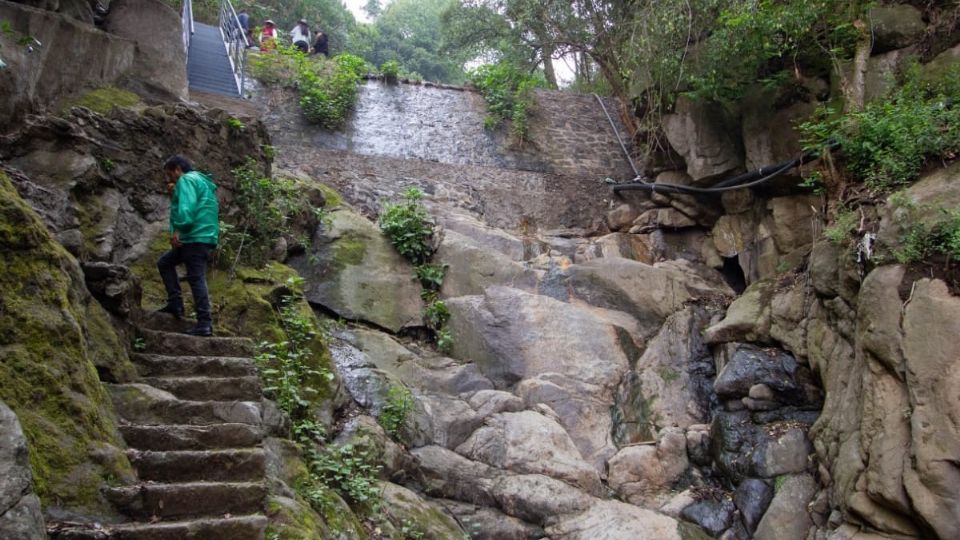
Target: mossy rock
(245, 304)
(53, 337)
(103, 100)
(414, 517)
(294, 519)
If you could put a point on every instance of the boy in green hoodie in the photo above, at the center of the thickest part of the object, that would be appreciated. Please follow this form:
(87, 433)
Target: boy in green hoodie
(194, 233)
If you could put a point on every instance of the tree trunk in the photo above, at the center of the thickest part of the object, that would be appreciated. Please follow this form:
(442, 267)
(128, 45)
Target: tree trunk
(855, 87)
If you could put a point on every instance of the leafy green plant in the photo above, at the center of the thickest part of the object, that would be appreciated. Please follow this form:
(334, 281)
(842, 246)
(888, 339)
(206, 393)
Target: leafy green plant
(266, 208)
(234, 124)
(410, 531)
(107, 165)
(139, 344)
(887, 144)
(843, 227)
(922, 237)
(444, 341)
(350, 470)
(436, 314)
(431, 275)
(398, 406)
(408, 226)
(390, 70)
(509, 93)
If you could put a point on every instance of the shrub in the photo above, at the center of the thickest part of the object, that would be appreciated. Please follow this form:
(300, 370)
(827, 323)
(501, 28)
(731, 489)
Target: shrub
(408, 227)
(390, 70)
(843, 227)
(266, 208)
(887, 144)
(395, 411)
(436, 314)
(431, 275)
(508, 92)
(327, 96)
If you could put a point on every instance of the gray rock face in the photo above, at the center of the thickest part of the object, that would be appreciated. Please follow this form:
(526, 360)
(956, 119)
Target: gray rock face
(403, 506)
(20, 515)
(749, 365)
(354, 271)
(483, 523)
(714, 516)
(752, 498)
(643, 474)
(700, 133)
(528, 442)
(471, 268)
(160, 63)
(895, 26)
(617, 520)
(75, 56)
(787, 517)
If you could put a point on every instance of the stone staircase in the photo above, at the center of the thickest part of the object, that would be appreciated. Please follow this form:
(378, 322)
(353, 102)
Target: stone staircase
(193, 425)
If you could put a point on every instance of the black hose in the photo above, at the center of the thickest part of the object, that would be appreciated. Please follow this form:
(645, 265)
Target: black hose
(746, 180)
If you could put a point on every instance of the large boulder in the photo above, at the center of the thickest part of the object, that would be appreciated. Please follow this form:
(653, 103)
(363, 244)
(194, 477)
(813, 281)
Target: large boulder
(472, 268)
(529, 442)
(787, 517)
(567, 356)
(931, 323)
(670, 385)
(700, 132)
(650, 293)
(160, 63)
(20, 516)
(483, 523)
(895, 26)
(644, 474)
(354, 271)
(620, 521)
(769, 132)
(74, 56)
(411, 514)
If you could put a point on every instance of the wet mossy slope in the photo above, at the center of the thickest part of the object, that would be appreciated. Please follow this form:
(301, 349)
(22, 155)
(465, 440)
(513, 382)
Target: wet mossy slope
(52, 337)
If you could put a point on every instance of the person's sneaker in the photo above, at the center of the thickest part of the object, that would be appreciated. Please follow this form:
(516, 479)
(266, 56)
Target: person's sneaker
(170, 309)
(201, 330)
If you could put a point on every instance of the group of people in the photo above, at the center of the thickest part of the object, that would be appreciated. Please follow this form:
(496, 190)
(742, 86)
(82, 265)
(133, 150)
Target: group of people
(300, 36)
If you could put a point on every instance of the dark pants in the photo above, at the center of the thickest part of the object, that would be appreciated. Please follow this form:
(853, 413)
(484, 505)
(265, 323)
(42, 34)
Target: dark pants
(302, 45)
(194, 256)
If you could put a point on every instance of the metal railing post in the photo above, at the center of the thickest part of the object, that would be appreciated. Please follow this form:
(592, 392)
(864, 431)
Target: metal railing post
(236, 41)
(186, 21)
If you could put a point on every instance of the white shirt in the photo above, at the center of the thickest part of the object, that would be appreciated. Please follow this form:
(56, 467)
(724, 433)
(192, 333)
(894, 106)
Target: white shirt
(297, 35)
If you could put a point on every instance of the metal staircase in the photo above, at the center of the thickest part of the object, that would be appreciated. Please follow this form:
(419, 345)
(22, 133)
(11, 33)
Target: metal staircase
(216, 55)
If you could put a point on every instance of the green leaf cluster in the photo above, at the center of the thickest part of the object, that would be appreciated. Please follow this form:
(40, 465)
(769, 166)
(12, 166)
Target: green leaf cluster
(888, 143)
(265, 209)
(328, 96)
(408, 227)
(923, 237)
(396, 410)
(509, 93)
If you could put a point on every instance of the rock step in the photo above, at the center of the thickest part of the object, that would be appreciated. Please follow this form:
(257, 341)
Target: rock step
(143, 404)
(184, 345)
(250, 527)
(185, 437)
(187, 500)
(162, 322)
(244, 465)
(209, 388)
(155, 365)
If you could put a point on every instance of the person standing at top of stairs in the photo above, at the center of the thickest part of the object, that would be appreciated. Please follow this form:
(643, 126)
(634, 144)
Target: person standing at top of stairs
(300, 36)
(194, 233)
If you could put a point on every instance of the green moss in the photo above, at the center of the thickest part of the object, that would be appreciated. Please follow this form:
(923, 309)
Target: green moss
(349, 251)
(330, 195)
(668, 374)
(103, 100)
(51, 335)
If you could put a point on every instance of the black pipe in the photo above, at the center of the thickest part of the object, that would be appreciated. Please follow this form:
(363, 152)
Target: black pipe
(746, 180)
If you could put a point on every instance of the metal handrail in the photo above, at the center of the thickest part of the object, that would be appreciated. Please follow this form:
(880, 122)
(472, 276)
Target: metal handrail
(236, 41)
(186, 22)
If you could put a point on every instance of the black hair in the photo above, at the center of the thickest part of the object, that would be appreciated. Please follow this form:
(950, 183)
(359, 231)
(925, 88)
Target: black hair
(174, 162)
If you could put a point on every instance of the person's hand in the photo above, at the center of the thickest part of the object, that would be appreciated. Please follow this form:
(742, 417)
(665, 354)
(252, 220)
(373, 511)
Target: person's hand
(175, 240)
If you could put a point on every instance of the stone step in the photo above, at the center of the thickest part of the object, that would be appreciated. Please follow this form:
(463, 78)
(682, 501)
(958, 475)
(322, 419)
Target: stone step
(251, 527)
(163, 322)
(185, 437)
(188, 500)
(209, 388)
(143, 404)
(243, 465)
(156, 365)
(184, 345)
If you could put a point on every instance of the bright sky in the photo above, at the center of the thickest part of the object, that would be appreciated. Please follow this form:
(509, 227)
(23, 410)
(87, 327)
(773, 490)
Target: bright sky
(355, 7)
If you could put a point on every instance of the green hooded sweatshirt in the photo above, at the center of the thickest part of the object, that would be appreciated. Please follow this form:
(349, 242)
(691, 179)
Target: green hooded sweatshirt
(194, 212)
